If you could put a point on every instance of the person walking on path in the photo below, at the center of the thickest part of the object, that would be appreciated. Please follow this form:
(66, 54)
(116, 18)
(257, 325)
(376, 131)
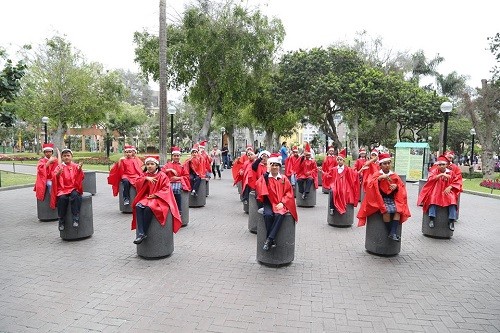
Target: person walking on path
(154, 198)
(385, 194)
(441, 189)
(67, 187)
(216, 158)
(45, 171)
(275, 192)
(225, 157)
(284, 153)
(126, 171)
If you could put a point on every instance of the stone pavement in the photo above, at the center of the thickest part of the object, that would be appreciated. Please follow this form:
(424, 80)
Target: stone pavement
(212, 282)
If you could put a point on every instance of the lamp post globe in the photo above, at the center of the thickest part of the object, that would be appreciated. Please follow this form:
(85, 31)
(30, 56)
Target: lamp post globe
(45, 120)
(446, 108)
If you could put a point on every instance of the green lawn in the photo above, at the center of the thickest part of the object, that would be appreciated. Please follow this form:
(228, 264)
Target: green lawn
(12, 179)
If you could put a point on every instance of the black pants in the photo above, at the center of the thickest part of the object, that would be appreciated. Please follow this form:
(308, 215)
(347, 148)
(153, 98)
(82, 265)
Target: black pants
(178, 200)
(216, 167)
(126, 188)
(305, 184)
(273, 221)
(75, 201)
(195, 182)
(143, 216)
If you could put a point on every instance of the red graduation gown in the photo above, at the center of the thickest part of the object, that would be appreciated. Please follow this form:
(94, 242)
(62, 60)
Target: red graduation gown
(373, 201)
(345, 187)
(181, 172)
(160, 206)
(129, 168)
(71, 178)
(329, 165)
(432, 192)
(291, 165)
(44, 172)
(307, 168)
(277, 190)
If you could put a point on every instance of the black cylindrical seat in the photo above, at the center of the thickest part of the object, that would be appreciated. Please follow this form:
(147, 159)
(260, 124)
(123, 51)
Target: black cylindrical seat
(309, 201)
(284, 252)
(86, 223)
(160, 240)
(441, 229)
(44, 212)
(89, 182)
(199, 200)
(253, 213)
(377, 240)
(126, 208)
(185, 207)
(340, 220)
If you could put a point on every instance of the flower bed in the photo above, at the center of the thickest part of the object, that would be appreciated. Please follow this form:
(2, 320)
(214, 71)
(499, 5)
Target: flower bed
(492, 184)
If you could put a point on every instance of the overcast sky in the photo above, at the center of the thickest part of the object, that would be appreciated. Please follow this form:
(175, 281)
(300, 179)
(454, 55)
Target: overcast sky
(103, 30)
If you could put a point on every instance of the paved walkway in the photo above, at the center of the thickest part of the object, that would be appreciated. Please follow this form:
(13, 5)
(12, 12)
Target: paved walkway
(212, 282)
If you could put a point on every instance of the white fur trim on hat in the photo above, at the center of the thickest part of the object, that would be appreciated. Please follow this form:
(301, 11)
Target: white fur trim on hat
(272, 160)
(151, 159)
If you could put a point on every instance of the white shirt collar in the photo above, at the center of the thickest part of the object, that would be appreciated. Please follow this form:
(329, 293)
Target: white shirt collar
(340, 169)
(278, 176)
(382, 172)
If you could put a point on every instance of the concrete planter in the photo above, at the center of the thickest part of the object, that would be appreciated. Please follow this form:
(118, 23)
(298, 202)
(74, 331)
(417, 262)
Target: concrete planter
(199, 200)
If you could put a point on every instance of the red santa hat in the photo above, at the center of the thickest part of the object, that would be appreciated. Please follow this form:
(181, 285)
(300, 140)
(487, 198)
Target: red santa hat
(152, 158)
(442, 158)
(307, 148)
(203, 144)
(331, 148)
(374, 152)
(48, 146)
(295, 148)
(274, 158)
(342, 154)
(176, 150)
(66, 150)
(384, 157)
(249, 147)
(195, 147)
(449, 153)
(264, 152)
(130, 148)
(362, 151)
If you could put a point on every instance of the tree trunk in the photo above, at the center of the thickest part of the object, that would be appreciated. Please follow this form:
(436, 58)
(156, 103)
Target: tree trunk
(163, 83)
(206, 124)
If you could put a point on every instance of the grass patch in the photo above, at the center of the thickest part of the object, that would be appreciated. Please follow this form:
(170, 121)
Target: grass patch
(13, 179)
(473, 185)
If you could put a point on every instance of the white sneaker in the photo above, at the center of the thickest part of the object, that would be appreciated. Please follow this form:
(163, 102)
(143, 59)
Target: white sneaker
(260, 210)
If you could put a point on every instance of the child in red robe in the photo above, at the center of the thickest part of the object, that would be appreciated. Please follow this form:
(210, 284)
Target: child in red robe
(44, 171)
(126, 171)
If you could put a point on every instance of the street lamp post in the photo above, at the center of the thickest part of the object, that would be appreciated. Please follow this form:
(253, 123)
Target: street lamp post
(471, 166)
(171, 111)
(222, 131)
(45, 120)
(446, 108)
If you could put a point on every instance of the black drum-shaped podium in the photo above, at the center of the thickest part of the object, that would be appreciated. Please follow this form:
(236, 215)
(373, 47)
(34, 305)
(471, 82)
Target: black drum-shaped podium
(44, 212)
(86, 223)
(89, 182)
(284, 252)
(126, 208)
(441, 221)
(160, 240)
(310, 201)
(199, 200)
(185, 207)
(320, 177)
(253, 213)
(377, 240)
(340, 220)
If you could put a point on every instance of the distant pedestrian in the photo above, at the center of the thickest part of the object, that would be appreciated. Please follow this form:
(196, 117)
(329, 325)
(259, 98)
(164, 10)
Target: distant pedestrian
(216, 159)
(284, 153)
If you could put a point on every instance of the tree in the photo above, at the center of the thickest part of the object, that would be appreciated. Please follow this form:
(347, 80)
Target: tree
(215, 53)
(64, 87)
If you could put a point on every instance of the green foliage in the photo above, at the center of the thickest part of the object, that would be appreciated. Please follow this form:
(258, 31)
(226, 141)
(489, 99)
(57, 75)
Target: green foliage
(216, 53)
(126, 119)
